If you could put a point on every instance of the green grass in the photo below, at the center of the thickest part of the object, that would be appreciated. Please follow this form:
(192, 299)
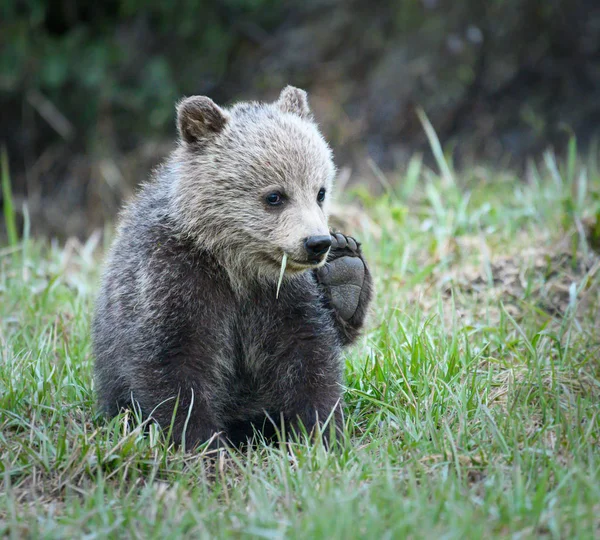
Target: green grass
(472, 403)
(8, 210)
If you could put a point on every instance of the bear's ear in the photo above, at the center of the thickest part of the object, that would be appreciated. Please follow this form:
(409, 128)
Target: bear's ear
(295, 101)
(199, 118)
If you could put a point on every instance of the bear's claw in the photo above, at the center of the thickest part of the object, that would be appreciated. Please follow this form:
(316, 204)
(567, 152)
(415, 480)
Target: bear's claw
(341, 243)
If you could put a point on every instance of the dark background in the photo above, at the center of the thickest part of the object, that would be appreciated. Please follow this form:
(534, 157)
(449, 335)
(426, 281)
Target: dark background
(87, 89)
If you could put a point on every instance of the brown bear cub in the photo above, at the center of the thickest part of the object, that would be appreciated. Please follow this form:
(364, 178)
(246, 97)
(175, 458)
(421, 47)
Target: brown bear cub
(189, 326)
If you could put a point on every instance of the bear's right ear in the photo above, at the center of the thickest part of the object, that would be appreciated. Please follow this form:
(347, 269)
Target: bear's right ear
(295, 101)
(199, 119)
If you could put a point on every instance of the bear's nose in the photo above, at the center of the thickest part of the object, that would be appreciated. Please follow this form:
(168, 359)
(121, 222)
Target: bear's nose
(317, 245)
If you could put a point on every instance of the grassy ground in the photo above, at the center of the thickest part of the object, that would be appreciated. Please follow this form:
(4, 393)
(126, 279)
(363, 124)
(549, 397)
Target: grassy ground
(473, 402)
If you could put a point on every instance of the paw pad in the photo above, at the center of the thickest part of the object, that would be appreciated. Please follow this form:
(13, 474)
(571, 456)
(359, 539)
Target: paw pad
(344, 278)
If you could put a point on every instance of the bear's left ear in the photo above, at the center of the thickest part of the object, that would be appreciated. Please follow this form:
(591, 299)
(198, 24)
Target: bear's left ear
(199, 119)
(295, 101)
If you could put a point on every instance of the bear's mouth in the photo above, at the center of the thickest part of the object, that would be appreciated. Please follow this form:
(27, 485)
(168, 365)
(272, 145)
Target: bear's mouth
(294, 264)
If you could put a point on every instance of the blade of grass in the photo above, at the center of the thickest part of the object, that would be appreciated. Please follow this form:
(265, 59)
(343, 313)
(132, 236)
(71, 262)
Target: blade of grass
(283, 265)
(436, 148)
(9, 211)
(571, 159)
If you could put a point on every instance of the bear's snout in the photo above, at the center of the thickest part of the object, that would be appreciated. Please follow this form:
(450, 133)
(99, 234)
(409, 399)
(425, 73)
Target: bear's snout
(316, 246)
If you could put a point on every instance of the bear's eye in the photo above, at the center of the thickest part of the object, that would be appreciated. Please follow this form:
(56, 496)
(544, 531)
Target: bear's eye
(274, 199)
(321, 195)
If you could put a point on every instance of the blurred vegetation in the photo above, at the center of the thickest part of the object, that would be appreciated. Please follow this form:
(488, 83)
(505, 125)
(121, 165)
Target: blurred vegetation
(130, 59)
(87, 89)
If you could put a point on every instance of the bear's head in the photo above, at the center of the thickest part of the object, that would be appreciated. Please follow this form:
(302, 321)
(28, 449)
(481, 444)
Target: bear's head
(253, 182)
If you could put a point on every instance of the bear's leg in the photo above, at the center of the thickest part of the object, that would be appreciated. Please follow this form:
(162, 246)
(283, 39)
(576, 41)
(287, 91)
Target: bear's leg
(328, 418)
(178, 402)
(347, 284)
(112, 391)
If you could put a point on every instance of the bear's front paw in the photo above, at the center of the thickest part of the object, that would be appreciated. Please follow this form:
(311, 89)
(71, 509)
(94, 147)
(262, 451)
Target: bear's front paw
(343, 275)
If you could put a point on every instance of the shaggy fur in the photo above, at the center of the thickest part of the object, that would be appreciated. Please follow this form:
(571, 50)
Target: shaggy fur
(187, 325)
